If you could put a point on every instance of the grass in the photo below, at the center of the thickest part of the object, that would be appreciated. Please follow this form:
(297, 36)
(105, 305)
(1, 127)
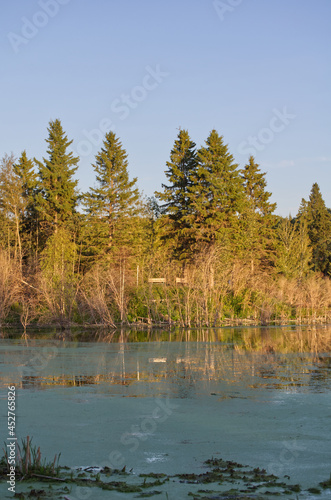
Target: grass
(29, 461)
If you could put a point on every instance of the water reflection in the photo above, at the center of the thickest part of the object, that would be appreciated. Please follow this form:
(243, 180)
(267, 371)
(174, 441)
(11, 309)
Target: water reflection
(183, 362)
(253, 338)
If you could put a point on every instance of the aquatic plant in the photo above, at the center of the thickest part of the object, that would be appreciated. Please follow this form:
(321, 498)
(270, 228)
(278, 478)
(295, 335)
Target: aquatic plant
(220, 475)
(29, 461)
(326, 484)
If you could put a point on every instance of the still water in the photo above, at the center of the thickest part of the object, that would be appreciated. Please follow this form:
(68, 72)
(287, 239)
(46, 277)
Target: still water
(168, 401)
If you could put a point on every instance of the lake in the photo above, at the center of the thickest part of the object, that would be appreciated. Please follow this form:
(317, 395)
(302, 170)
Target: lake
(166, 401)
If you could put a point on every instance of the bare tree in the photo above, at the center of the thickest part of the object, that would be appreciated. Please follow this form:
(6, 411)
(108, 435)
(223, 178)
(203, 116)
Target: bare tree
(94, 295)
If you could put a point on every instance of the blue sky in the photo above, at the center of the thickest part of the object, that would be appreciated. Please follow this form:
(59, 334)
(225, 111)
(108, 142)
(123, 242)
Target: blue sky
(257, 71)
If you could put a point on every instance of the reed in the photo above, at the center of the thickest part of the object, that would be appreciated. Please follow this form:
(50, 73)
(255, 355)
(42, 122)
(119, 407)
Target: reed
(29, 461)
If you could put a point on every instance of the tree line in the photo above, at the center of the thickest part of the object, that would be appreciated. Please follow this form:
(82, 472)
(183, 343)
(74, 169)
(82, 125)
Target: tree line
(207, 249)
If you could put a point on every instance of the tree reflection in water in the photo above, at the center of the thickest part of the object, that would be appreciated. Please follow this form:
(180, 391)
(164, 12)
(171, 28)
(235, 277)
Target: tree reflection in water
(180, 361)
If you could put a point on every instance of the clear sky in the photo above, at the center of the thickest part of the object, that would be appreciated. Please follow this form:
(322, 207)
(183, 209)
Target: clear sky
(258, 71)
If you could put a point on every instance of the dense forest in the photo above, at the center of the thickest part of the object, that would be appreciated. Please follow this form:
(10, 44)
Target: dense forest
(207, 250)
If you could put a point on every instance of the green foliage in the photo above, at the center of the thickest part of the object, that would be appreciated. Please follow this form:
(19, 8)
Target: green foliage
(58, 280)
(216, 192)
(204, 197)
(12, 204)
(24, 169)
(214, 240)
(112, 204)
(29, 461)
(318, 220)
(149, 221)
(292, 249)
(257, 219)
(255, 185)
(59, 256)
(138, 310)
(176, 197)
(57, 195)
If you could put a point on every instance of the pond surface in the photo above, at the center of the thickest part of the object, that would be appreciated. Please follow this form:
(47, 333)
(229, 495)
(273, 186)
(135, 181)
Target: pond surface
(168, 401)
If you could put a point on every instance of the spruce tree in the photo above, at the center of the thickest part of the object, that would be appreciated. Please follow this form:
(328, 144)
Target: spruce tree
(24, 169)
(255, 188)
(257, 218)
(57, 198)
(176, 196)
(111, 205)
(318, 220)
(216, 192)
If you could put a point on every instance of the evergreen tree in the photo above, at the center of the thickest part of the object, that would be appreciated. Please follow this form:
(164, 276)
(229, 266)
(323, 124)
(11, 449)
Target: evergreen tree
(176, 197)
(111, 205)
(255, 188)
(24, 169)
(318, 220)
(216, 192)
(57, 197)
(152, 214)
(257, 218)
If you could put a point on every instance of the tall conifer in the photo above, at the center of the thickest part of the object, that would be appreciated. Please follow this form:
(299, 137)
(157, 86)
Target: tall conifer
(24, 169)
(255, 188)
(318, 220)
(110, 205)
(216, 193)
(57, 197)
(257, 218)
(175, 198)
